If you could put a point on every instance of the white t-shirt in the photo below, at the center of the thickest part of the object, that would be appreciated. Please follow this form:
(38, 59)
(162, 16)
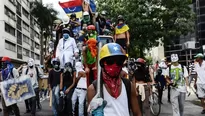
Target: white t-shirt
(200, 72)
(82, 83)
(177, 77)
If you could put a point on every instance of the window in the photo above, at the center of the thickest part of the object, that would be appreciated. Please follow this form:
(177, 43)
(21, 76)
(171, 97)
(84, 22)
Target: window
(25, 26)
(37, 46)
(26, 52)
(25, 13)
(10, 46)
(26, 39)
(9, 13)
(32, 43)
(26, 2)
(36, 35)
(32, 54)
(19, 50)
(18, 8)
(9, 29)
(19, 37)
(37, 56)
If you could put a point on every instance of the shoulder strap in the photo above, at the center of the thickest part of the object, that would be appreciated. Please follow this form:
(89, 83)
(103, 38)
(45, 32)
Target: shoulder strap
(182, 68)
(128, 89)
(26, 71)
(170, 70)
(12, 75)
(37, 72)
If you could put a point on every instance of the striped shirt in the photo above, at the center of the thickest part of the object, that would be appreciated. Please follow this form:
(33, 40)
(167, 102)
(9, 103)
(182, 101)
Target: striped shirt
(192, 69)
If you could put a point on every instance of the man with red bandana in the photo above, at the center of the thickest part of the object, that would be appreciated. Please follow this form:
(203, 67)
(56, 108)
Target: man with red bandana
(118, 93)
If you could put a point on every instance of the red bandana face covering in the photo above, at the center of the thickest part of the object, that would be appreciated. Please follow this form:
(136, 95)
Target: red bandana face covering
(111, 78)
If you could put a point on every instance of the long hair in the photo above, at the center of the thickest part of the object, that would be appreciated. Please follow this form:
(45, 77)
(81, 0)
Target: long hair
(92, 45)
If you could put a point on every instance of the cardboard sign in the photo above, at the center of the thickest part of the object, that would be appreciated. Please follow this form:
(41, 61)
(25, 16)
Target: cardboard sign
(17, 90)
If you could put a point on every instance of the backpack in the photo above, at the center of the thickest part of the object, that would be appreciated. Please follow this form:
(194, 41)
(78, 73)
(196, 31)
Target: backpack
(127, 86)
(170, 69)
(37, 72)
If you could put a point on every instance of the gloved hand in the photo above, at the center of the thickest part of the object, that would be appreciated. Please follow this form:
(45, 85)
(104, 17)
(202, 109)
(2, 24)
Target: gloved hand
(188, 91)
(61, 93)
(96, 106)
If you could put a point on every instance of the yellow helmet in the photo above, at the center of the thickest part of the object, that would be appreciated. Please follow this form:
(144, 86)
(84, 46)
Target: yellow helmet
(111, 49)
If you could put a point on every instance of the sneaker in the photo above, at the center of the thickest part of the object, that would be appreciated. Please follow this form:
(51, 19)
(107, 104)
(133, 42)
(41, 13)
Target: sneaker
(27, 111)
(0, 110)
(169, 101)
(203, 112)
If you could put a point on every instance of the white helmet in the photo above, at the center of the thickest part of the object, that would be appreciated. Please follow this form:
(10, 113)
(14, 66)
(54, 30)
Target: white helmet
(174, 58)
(85, 13)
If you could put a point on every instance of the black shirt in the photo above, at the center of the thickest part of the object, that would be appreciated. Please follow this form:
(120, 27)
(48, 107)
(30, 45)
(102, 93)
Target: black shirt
(142, 74)
(54, 78)
(67, 79)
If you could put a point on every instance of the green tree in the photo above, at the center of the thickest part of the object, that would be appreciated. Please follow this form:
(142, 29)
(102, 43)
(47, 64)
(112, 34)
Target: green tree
(45, 16)
(151, 20)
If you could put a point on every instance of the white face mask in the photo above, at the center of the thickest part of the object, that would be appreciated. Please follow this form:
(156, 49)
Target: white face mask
(30, 62)
(174, 58)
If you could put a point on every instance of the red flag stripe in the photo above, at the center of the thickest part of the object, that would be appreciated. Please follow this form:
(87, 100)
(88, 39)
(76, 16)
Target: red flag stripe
(70, 3)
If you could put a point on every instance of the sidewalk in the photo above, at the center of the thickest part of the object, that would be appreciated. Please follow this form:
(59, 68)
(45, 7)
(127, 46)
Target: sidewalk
(190, 109)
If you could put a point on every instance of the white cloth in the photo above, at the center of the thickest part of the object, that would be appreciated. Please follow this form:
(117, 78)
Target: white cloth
(82, 83)
(67, 50)
(125, 69)
(116, 107)
(141, 90)
(200, 72)
(182, 82)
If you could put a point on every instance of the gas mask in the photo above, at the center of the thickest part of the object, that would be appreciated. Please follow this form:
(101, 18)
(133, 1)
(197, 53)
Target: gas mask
(65, 36)
(68, 67)
(30, 62)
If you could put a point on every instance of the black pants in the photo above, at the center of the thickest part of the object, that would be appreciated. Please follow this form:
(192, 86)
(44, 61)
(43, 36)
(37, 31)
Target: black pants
(69, 103)
(160, 90)
(33, 101)
(169, 89)
(27, 105)
(6, 109)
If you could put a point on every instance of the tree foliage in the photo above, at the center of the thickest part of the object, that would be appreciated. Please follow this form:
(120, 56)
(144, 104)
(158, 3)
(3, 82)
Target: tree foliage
(45, 17)
(151, 21)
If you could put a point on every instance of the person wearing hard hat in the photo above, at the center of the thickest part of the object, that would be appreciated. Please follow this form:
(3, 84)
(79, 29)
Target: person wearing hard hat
(86, 20)
(8, 72)
(119, 93)
(177, 76)
(200, 79)
(66, 48)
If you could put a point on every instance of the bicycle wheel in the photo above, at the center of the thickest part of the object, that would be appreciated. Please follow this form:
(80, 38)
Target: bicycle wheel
(155, 106)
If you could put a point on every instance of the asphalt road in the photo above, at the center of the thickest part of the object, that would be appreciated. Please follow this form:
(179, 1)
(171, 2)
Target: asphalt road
(191, 109)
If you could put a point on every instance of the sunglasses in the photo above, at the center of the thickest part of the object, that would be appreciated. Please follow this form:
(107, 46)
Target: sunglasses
(115, 60)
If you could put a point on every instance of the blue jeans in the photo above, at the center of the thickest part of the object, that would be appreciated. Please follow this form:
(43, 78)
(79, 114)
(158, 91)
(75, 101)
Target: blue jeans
(55, 99)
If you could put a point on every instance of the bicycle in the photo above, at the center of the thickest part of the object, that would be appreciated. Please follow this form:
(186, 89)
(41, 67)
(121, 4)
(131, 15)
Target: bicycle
(155, 105)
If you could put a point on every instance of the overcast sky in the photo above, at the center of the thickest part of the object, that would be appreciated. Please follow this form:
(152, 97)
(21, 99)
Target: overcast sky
(56, 6)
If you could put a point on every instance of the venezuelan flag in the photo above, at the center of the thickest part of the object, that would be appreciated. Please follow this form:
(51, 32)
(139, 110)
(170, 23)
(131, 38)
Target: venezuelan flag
(92, 6)
(72, 6)
(121, 29)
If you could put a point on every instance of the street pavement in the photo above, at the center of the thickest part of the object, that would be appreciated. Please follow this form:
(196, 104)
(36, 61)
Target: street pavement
(166, 110)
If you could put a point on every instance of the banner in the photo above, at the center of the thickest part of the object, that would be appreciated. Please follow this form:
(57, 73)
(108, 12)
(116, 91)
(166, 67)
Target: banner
(17, 90)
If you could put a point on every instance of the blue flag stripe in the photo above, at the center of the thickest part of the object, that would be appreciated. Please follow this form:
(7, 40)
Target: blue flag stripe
(73, 9)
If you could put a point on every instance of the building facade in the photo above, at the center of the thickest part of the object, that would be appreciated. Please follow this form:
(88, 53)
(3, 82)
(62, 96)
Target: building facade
(19, 32)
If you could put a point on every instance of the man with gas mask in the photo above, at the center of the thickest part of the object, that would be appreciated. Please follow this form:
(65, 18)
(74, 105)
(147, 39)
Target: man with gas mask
(54, 84)
(35, 74)
(66, 48)
(177, 76)
(119, 93)
(67, 84)
(86, 21)
(8, 72)
(122, 35)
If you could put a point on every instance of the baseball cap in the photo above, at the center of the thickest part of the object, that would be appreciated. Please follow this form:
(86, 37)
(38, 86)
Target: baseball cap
(199, 55)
